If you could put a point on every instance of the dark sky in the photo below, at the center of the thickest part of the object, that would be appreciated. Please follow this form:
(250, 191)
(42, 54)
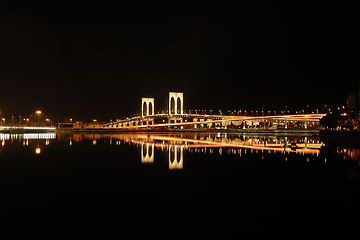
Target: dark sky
(90, 59)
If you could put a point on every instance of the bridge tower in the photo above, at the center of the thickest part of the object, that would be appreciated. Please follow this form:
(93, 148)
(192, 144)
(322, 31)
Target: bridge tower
(176, 103)
(147, 107)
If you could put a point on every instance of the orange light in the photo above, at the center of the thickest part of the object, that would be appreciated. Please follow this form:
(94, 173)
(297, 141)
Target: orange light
(37, 150)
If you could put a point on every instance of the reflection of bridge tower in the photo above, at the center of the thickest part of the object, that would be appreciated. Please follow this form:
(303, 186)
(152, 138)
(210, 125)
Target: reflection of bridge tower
(176, 103)
(147, 152)
(147, 107)
(176, 157)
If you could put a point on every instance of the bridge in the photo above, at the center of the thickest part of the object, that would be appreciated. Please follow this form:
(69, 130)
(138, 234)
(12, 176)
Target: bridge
(15, 129)
(177, 119)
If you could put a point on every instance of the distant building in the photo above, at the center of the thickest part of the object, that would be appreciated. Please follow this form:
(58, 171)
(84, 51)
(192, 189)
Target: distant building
(352, 100)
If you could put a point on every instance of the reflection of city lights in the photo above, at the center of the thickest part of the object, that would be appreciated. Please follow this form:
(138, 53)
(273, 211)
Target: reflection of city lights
(220, 143)
(37, 150)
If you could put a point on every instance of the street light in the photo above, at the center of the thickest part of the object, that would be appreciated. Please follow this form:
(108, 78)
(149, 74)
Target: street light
(38, 112)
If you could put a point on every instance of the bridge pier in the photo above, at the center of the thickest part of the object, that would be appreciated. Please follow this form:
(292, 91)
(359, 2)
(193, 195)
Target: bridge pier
(174, 119)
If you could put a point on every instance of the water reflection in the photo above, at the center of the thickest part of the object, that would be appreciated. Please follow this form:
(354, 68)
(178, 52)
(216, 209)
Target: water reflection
(37, 150)
(353, 154)
(261, 181)
(175, 144)
(176, 156)
(147, 152)
(345, 152)
(40, 140)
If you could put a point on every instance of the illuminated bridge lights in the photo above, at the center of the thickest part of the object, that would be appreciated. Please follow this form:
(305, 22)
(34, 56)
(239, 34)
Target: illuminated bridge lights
(199, 120)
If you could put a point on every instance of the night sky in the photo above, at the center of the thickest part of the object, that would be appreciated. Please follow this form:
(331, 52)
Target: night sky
(87, 59)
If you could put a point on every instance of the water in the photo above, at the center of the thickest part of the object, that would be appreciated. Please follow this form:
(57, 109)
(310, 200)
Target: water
(177, 185)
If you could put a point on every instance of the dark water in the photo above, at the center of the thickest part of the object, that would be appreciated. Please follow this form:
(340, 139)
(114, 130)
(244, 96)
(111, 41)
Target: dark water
(176, 186)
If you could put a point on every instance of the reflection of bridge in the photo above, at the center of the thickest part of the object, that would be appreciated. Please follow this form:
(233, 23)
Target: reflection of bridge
(305, 146)
(176, 156)
(176, 144)
(177, 119)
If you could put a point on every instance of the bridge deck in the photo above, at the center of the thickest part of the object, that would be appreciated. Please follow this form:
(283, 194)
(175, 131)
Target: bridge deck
(133, 123)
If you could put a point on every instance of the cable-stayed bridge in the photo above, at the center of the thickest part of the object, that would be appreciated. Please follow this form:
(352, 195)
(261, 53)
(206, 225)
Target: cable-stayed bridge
(176, 118)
